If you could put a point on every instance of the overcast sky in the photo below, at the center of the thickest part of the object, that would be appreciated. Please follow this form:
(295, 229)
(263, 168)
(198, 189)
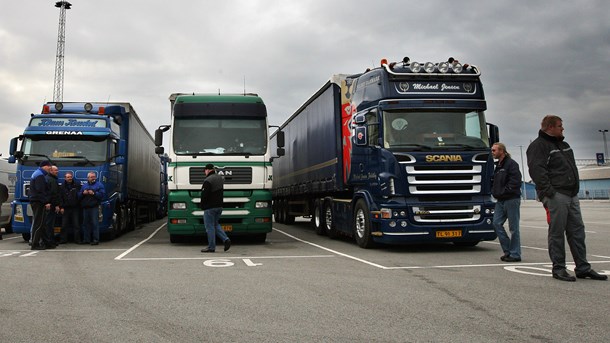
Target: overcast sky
(536, 57)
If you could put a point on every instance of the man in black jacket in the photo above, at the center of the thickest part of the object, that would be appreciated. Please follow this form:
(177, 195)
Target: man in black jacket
(40, 200)
(70, 209)
(211, 203)
(506, 189)
(553, 168)
(49, 237)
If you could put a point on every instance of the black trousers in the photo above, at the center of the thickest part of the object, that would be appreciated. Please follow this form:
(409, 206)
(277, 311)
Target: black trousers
(38, 223)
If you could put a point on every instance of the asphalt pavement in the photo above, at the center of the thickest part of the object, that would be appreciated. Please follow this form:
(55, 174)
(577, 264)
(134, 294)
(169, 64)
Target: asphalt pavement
(301, 287)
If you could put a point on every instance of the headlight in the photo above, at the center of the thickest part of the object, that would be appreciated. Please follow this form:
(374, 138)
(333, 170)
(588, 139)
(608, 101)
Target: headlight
(262, 204)
(386, 213)
(178, 206)
(457, 68)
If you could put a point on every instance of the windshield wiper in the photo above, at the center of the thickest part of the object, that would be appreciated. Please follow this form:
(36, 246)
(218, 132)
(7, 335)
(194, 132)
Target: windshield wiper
(83, 157)
(37, 155)
(411, 145)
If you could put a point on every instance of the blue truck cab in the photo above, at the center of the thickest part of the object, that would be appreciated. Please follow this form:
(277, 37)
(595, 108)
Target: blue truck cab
(105, 138)
(397, 154)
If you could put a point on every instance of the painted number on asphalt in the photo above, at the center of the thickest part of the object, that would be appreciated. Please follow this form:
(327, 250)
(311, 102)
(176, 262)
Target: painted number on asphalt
(545, 270)
(228, 263)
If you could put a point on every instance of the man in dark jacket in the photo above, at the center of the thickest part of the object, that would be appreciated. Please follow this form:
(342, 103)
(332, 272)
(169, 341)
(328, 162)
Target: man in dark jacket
(40, 200)
(49, 237)
(553, 168)
(506, 189)
(91, 195)
(212, 193)
(70, 209)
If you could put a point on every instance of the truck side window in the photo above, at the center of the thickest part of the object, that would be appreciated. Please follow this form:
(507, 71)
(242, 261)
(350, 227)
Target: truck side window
(373, 127)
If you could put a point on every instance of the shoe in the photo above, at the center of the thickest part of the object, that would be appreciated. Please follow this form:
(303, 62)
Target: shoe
(227, 244)
(38, 247)
(208, 250)
(50, 246)
(95, 243)
(84, 243)
(512, 259)
(593, 275)
(503, 257)
(564, 276)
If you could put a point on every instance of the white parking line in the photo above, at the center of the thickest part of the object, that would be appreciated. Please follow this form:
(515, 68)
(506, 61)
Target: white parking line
(137, 245)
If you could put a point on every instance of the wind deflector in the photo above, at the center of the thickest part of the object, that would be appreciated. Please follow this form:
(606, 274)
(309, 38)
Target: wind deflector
(253, 110)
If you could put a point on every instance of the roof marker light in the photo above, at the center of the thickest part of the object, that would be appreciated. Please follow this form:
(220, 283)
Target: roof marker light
(46, 109)
(101, 110)
(384, 62)
(405, 60)
(457, 68)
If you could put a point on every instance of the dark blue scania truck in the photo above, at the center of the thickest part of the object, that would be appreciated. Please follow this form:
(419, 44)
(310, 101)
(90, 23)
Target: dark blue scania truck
(108, 139)
(397, 154)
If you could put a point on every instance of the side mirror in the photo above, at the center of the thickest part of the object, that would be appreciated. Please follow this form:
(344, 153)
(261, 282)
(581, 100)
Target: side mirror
(281, 152)
(159, 150)
(494, 133)
(158, 137)
(360, 119)
(122, 148)
(120, 160)
(13, 146)
(281, 139)
(360, 138)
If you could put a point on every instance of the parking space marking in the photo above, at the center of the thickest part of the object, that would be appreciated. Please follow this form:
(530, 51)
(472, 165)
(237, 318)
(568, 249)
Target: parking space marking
(122, 257)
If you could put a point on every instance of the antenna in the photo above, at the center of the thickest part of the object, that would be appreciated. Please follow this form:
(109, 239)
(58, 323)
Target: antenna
(244, 84)
(58, 83)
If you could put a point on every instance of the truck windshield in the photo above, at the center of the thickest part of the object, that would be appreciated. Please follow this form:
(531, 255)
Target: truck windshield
(65, 152)
(433, 129)
(219, 136)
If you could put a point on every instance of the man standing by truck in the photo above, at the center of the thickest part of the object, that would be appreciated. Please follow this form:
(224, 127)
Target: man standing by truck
(40, 200)
(212, 193)
(506, 189)
(70, 209)
(91, 196)
(553, 168)
(55, 206)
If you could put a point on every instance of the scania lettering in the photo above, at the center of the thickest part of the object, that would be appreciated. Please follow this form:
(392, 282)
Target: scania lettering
(108, 139)
(397, 154)
(231, 132)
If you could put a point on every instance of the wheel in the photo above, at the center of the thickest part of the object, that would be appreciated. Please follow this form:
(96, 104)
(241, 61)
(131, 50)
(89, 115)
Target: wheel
(318, 218)
(26, 236)
(175, 238)
(362, 225)
(259, 238)
(466, 244)
(329, 225)
(288, 218)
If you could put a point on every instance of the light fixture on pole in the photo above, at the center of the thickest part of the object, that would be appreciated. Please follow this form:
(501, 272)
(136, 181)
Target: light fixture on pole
(605, 143)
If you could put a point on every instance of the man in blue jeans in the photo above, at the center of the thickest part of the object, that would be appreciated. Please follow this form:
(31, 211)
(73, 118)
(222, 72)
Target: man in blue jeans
(211, 203)
(506, 188)
(91, 195)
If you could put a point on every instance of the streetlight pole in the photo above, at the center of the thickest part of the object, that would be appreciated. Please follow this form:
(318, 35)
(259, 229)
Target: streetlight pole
(523, 194)
(605, 145)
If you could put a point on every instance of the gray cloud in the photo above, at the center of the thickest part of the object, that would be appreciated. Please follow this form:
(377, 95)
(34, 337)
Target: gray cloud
(536, 57)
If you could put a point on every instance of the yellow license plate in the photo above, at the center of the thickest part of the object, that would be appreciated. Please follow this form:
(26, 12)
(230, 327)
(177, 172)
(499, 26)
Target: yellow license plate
(227, 228)
(448, 233)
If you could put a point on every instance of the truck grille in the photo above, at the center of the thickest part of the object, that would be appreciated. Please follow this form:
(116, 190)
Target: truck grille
(231, 175)
(436, 183)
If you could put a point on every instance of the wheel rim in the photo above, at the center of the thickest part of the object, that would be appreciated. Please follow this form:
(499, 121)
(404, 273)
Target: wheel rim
(360, 223)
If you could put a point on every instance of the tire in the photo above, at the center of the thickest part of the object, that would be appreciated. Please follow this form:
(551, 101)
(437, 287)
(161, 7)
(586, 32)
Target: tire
(362, 225)
(329, 223)
(259, 238)
(288, 218)
(317, 218)
(175, 238)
